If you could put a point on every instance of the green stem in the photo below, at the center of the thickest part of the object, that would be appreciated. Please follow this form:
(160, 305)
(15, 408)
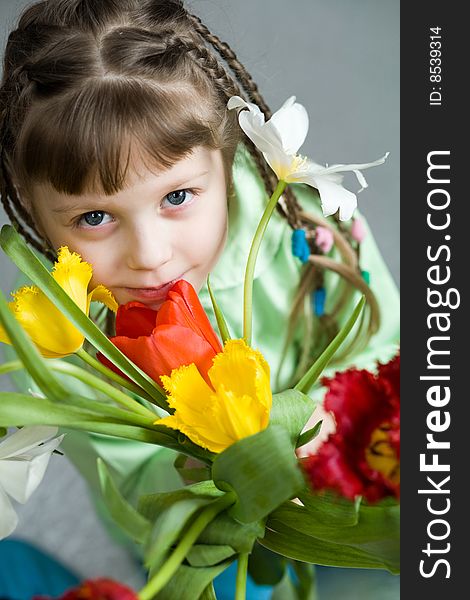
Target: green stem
(251, 262)
(242, 570)
(13, 365)
(322, 361)
(221, 323)
(170, 567)
(132, 387)
(104, 387)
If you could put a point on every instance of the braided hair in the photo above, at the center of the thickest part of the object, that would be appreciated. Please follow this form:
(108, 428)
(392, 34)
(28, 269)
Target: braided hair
(84, 80)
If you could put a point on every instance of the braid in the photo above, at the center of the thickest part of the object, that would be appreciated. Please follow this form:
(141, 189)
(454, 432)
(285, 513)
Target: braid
(251, 89)
(16, 82)
(235, 65)
(11, 203)
(208, 62)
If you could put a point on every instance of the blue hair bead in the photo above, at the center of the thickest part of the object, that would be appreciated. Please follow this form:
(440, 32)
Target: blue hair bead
(366, 276)
(300, 247)
(319, 297)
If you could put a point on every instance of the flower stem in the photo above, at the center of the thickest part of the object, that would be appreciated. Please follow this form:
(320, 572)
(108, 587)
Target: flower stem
(221, 323)
(104, 387)
(322, 361)
(12, 365)
(242, 570)
(251, 262)
(170, 567)
(129, 385)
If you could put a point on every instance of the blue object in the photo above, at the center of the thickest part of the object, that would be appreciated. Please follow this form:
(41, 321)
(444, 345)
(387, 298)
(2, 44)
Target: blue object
(300, 247)
(225, 583)
(319, 297)
(26, 571)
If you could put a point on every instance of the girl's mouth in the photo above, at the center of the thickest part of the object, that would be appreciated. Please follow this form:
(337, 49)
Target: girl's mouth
(151, 294)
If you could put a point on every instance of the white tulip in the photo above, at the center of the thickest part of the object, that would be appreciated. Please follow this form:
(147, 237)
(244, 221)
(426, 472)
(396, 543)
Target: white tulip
(24, 456)
(280, 138)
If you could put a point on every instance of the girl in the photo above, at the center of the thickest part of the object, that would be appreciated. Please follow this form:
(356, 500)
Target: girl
(116, 141)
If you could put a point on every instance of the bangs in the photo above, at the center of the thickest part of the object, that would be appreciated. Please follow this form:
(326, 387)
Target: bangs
(82, 142)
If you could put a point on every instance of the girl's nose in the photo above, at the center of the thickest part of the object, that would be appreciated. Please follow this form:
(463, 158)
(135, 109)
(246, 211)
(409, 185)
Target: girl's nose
(147, 249)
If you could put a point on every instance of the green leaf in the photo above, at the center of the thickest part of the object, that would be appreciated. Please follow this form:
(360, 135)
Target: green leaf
(309, 435)
(206, 555)
(291, 409)
(168, 527)
(306, 582)
(20, 409)
(189, 583)
(208, 593)
(192, 473)
(373, 542)
(15, 247)
(322, 361)
(262, 470)
(221, 323)
(29, 355)
(285, 589)
(124, 514)
(152, 505)
(331, 508)
(223, 530)
(266, 567)
(291, 543)
(302, 589)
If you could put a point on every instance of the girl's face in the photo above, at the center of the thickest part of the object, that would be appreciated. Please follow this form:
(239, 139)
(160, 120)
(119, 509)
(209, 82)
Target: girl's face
(163, 226)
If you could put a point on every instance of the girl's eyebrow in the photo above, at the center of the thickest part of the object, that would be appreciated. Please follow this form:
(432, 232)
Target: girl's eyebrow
(66, 208)
(97, 204)
(179, 183)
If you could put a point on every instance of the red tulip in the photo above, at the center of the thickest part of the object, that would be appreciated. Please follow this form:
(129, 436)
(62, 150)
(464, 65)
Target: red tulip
(97, 589)
(179, 333)
(363, 456)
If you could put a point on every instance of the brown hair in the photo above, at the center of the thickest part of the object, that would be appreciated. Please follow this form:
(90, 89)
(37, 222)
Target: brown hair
(85, 81)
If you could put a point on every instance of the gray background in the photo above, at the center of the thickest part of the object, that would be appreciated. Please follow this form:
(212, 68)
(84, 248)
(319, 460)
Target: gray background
(341, 59)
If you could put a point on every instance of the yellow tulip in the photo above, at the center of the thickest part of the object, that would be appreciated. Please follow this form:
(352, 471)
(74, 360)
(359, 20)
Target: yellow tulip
(236, 404)
(53, 334)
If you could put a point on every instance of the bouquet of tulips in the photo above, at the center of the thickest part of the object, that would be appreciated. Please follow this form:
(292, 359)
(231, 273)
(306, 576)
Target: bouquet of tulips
(167, 378)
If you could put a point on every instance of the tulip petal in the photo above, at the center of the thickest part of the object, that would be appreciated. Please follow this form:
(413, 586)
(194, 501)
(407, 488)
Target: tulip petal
(192, 399)
(49, 329)
(243, 371)
(263, 136)
(184, 385)
(355, 167)
(135, 319)
(169, 347)
(8, 516)
(291, 123)
(333, 197)
(238, 416)
(103, 295)
(73, 275)
(25, 439)
(239, 406)
(238, 102)
(3, 334)
(184, 308)
(20, 478)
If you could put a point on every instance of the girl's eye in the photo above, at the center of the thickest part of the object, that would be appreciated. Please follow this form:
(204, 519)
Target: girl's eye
(178, 197)
(93, 218)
